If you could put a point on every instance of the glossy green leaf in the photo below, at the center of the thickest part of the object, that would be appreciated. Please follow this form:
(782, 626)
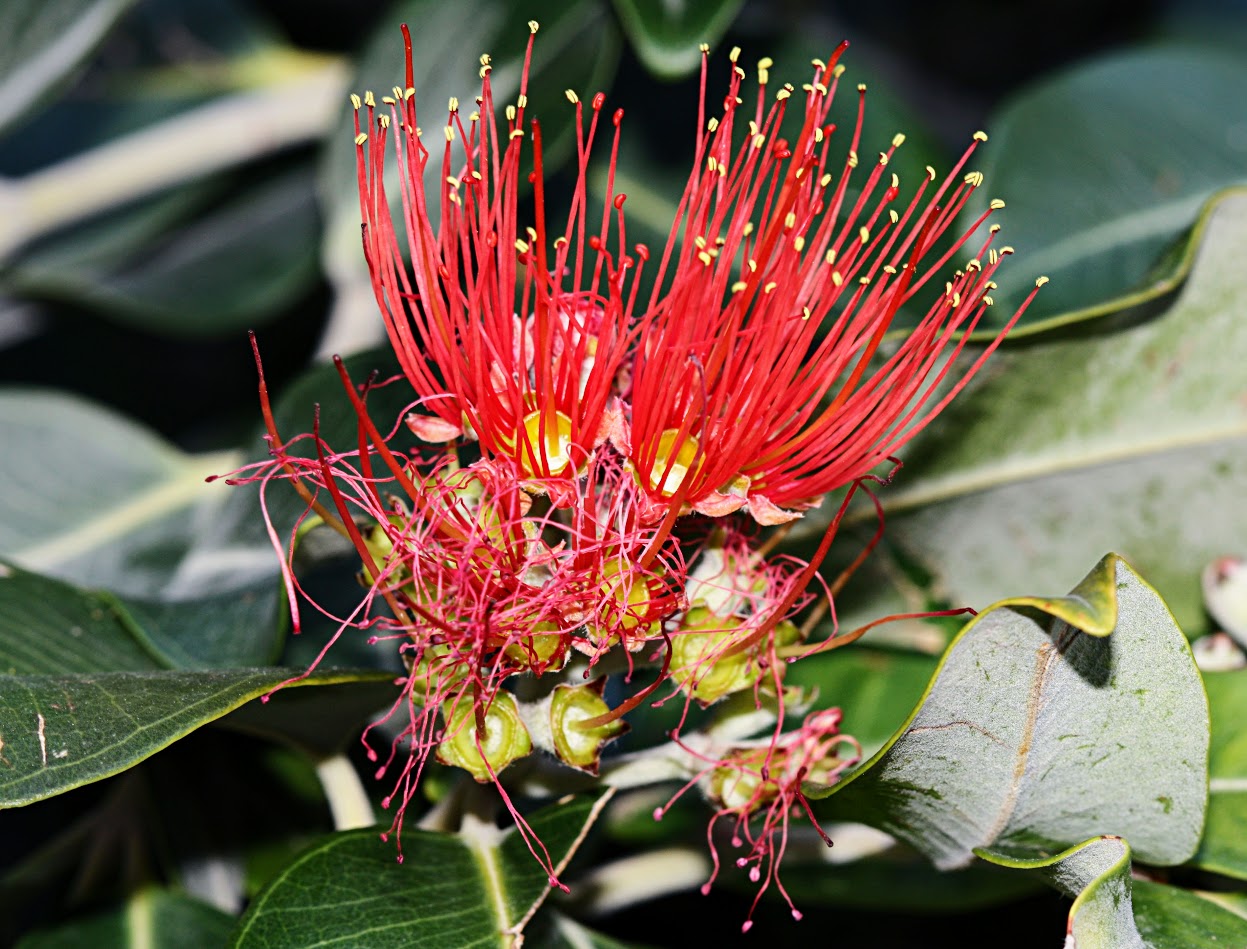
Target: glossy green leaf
(139, 520)
(1223, 848)
(1049, 721)
(43, 40)
(1169, 917)
(1096, 195)
(153, 918)
(215, 269)
(1097, 875)
(1131, 440)
(666, 36)
(64, 731)
(460, 889)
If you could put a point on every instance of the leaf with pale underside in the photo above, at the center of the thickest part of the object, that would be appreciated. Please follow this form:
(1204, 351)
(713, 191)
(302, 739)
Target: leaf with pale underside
(1050, 720)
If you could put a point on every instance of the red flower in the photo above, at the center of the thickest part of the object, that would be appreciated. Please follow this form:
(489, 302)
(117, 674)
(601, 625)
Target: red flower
(506, 336)
(760, 377)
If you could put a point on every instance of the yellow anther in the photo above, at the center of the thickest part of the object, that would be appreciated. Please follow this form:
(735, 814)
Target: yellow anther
(898, 139)
(704, 258)
(889, 270)
(388, 100)
(863, 234)
(532, 233)
(355, 102)
(476, 176)
(883, 158)
(994, 228)
(782, 95)
(818, 63)
(486, 59)
(824, 181)
(510, 113)
(799, 173)
(712, 125)
(700, 242)
(973, 178)
(747, 229)
(896, 181)
(739, 286)
(948, 288)
(369, 99)
(521, 246)
(454, 104)
(450, 133)
(522, 100)
(930, 172)
(398, 93)
(790, 220)
(533, 26)
(798, 244)
(704, 47)
(769, 287)
(988, 301)
(864, 281)
(766, 62)
(996, 204)
(409, 92)
(956, 300)
(453, 181)
(893, 216)
(829, 258)
(740, 74)
(764, 77)
(759, 140)
(836, 278)
(474, 117)
(818, 135)
(991, 285)
(974, 264)
(837, 72)
(516, 133)
(384, 122)
(361, 138)
(805, 313)
(852, 159)
(734, 54)
(861, 87)
(753, 265)
(979, 136)
(1040, 281)
(1006, 250)
(993, 257)
(712, 163)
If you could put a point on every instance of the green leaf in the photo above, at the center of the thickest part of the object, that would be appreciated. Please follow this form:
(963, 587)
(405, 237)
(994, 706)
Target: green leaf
(140, 520)
(462, 890)
(1172, 918)
(1095, 196)
(43, 40)
(1131, 440)
(63, 731)
(667, 36)
(1097, 875)
(1050, 720)
(215, 269)
(1223, 848)
(152, 918)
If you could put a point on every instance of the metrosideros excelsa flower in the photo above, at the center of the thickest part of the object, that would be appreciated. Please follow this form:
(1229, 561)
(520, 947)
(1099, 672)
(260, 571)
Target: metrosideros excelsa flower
(761, 377)
(583, 477)
(511, 333)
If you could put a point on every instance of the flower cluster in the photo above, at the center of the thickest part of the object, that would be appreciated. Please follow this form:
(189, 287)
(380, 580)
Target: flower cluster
(588, 473)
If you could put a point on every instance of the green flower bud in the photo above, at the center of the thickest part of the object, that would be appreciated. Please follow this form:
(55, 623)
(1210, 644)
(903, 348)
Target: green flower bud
(575, 743)
(544, 651)
(504, 740)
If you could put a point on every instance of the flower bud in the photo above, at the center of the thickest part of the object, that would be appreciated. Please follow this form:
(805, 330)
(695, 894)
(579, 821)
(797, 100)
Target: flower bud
(703, 663)
(483, 754)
